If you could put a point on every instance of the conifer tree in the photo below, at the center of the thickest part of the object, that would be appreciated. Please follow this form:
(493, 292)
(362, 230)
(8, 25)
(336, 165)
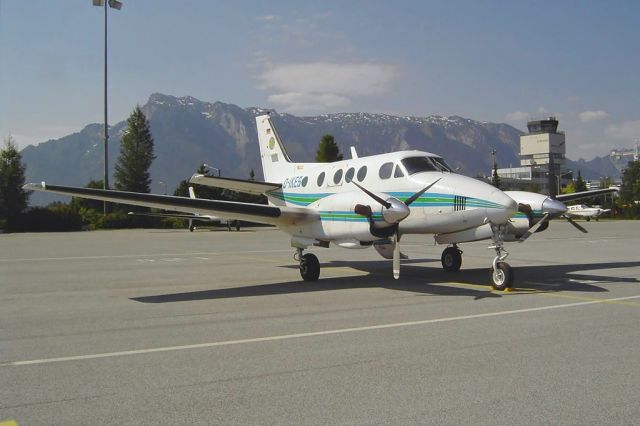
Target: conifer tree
(580, 184)
(328, 151)
(13, 199)
(495, 179)
(630, 189)
(136, 155)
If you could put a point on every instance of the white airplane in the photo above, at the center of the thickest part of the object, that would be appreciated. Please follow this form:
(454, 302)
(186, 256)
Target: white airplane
(363, 202)
(585, 212)
(194, 217)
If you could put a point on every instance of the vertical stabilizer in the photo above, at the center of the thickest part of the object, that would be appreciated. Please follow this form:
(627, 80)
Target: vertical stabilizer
(275, 161)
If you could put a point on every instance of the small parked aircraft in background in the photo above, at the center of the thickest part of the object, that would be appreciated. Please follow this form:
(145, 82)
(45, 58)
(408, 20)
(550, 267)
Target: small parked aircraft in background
(194, 217)
(585, 212)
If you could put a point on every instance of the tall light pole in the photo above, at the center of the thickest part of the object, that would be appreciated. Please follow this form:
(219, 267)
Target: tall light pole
(558, 177)
(114, 4)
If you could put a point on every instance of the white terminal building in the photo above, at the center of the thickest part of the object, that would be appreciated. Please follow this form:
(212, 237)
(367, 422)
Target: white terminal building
(542, 157)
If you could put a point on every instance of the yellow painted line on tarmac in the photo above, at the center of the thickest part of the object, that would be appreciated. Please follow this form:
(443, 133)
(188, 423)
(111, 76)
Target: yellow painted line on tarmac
(488, 289)
(524, 290)
(8, 423)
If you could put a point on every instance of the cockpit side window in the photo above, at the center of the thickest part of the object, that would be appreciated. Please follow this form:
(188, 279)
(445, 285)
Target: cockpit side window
(419, 164)
(441, 164)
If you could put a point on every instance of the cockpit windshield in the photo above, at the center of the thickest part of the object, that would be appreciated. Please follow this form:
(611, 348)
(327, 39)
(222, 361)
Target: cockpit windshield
(418, 164)
(442, 165)
(425, 164)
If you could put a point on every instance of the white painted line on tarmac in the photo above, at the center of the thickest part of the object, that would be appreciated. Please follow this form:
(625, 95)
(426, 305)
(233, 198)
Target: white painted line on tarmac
(309, 334)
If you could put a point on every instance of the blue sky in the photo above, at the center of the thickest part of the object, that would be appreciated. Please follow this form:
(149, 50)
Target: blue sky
(500, 61)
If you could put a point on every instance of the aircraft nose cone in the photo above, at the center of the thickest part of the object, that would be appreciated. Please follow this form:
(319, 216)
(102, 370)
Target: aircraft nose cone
(508, 207)
(553, 207)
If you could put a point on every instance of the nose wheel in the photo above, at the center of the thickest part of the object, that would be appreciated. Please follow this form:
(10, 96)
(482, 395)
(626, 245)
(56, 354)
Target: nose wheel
(309, 265)
(501, 271)
(451, 259)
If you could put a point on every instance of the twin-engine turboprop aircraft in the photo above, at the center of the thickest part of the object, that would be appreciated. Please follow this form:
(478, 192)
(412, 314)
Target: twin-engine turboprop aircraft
(357, 203)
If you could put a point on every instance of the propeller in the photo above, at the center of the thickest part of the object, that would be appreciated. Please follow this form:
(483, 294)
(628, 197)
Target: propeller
(535, 227)
(573, 222)
(394, 211)
(552, 209)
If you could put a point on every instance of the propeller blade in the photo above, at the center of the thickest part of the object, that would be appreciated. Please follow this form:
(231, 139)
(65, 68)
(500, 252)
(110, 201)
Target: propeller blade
(526, 209)
(534, 228)
(419, 193)
(374, 196)
(396, 255)
(578, 227)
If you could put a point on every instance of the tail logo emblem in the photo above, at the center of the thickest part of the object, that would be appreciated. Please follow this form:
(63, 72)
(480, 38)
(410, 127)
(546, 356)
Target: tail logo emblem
(272, 143)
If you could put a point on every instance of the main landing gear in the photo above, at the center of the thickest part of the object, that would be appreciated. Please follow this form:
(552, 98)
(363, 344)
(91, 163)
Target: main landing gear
(501, 272)
(309, 265)
(451, 259)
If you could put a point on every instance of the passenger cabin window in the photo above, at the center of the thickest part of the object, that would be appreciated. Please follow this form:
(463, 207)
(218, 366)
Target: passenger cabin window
(348, 177)
(304, 181)
(385, 170)
(337, 176)
(398, 172)
(362, 173)
(419, 164)
(320, 179)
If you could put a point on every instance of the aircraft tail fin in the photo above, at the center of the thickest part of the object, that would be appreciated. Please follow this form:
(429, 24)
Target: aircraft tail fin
(272, 152)
(192, 192)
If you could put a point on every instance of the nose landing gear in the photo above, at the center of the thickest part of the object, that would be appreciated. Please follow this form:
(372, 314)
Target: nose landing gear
(501, 271)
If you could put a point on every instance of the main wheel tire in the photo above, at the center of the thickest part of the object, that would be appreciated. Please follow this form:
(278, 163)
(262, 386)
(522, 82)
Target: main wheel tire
(588, 218)
(237, 225)
(502, 277)
(309, 267)
(191, 228)
(451, 259)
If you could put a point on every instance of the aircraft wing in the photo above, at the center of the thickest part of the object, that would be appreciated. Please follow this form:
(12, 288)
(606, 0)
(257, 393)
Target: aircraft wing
(259, 213)
(585, 194)
(240, 185)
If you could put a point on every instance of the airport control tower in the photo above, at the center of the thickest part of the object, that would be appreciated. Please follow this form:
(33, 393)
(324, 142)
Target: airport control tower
(544, 147)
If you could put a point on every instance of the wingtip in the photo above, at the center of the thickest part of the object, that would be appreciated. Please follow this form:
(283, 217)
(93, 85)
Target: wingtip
(34, 186)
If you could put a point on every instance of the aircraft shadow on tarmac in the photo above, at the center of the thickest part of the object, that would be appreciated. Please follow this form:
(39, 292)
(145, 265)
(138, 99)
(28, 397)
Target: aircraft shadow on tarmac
(422, 280)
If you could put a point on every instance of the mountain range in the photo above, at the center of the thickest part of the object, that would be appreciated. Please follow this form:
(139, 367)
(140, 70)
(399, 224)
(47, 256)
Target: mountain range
(188, 132)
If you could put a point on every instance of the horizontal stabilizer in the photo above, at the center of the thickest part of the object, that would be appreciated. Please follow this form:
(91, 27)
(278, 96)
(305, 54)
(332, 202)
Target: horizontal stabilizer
(240, 185)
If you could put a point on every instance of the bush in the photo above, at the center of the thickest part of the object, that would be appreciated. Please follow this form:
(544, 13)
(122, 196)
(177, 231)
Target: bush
(42, 219)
